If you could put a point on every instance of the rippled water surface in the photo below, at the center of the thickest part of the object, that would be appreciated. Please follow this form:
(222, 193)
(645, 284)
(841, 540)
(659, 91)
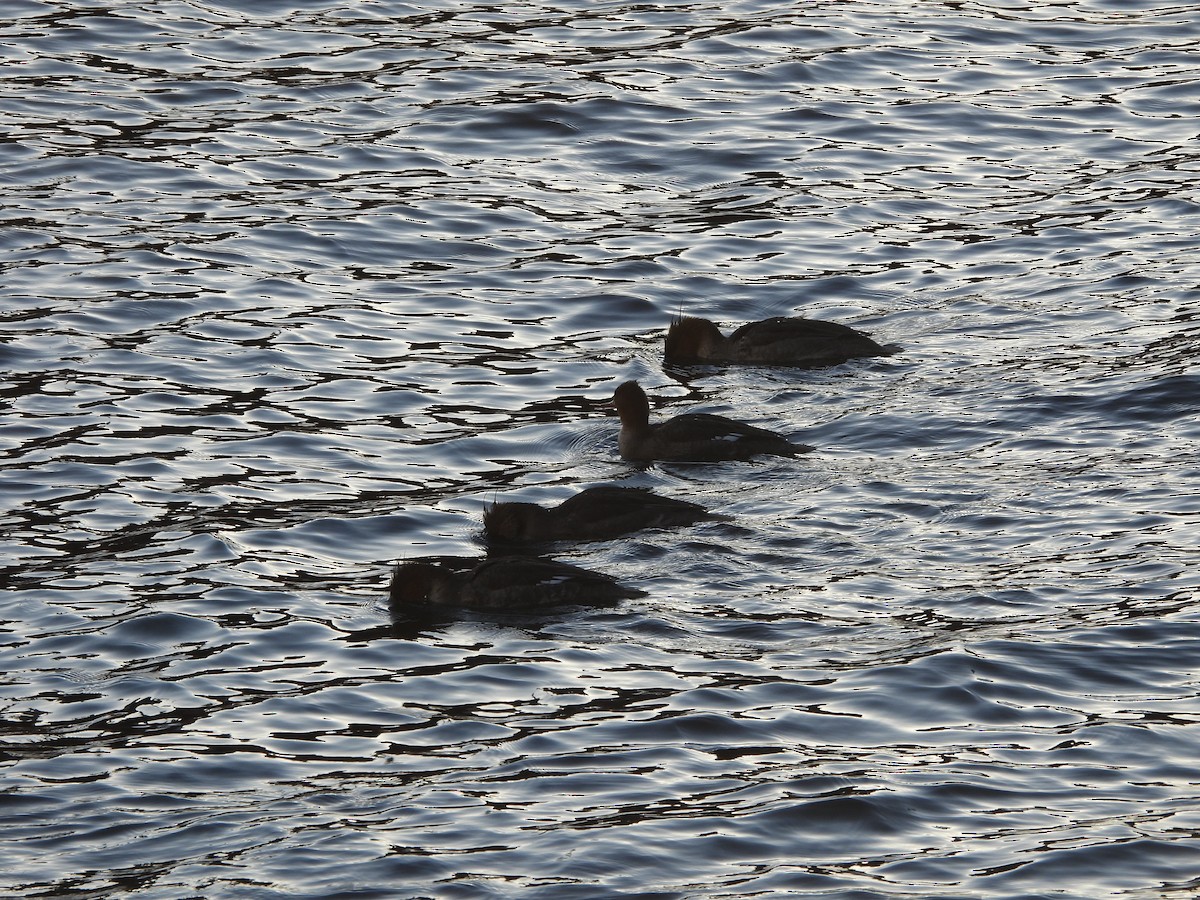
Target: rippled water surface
(292, 290)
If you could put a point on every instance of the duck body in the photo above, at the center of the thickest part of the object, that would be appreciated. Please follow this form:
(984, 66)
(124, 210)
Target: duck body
(780, 341)
(596, 514)
(692, 437)
(499, 584)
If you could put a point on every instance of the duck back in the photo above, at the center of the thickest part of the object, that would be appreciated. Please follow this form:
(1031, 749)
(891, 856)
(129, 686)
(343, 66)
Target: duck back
(704, 437)
(798, 341)
(498, 583)
(609, 511)
(528, 582)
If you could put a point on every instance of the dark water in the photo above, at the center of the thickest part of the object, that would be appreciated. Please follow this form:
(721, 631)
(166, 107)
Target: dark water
(292, 290)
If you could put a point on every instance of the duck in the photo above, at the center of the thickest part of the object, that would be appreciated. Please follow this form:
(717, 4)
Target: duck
(779, 341)
(595, 514)
(692, 437)
(499, 583)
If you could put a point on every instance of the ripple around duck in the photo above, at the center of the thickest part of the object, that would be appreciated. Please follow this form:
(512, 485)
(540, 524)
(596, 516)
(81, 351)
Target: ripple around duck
(293, 293)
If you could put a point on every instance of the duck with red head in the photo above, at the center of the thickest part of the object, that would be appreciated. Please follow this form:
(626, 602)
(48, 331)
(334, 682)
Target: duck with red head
(692, 437)
(781, 341)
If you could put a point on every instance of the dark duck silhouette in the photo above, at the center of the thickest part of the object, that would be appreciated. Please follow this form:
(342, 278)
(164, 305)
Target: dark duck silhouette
(692, 437)
(499, 583)
(781, 341)
(596, 514)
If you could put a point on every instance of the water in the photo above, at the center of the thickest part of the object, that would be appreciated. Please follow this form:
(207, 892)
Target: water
(292, 290)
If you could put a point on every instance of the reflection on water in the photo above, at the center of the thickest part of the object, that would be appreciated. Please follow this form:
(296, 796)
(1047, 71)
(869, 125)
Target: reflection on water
(293, 292)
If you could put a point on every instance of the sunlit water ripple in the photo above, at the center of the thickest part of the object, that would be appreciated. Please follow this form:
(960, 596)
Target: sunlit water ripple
(293, 290)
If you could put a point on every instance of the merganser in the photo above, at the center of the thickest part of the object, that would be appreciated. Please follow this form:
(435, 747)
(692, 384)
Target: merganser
(781, 341)
(499, 583)
(692, 437)
(595, 514)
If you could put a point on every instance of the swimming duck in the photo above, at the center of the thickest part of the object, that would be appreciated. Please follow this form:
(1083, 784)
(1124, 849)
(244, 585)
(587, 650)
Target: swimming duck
(499, 583)
(692, 437)
(781, 341)
(595, 514)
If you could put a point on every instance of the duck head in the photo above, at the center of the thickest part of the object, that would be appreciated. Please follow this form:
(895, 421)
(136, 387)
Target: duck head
(412, 583)
(631, 404)
(691, 338)
(515, 522)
